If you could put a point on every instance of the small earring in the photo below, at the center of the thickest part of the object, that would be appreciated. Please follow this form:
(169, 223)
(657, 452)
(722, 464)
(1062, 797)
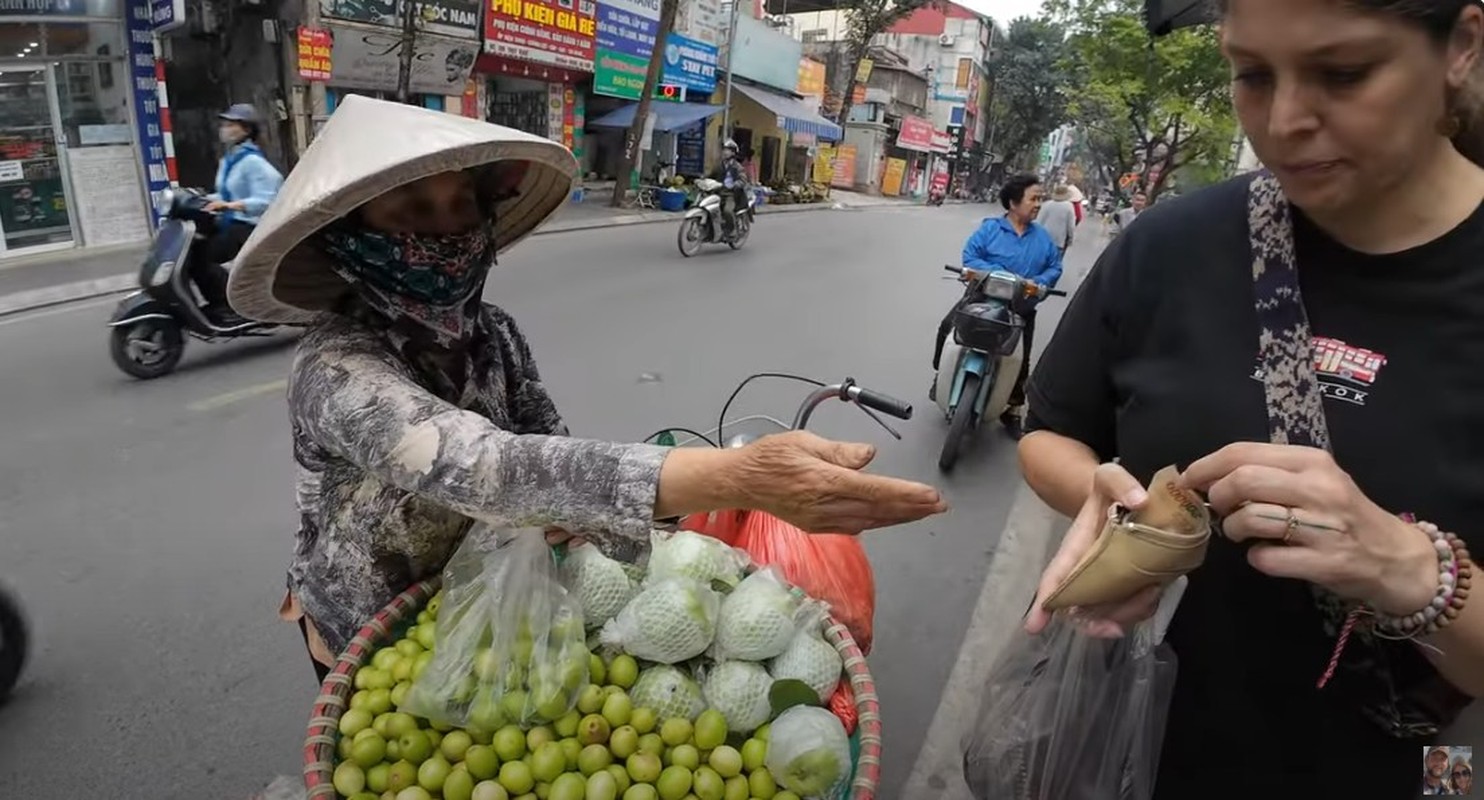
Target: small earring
(1450, 125)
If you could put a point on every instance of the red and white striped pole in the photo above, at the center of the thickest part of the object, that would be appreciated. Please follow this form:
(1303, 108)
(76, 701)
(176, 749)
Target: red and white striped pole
(166, 127)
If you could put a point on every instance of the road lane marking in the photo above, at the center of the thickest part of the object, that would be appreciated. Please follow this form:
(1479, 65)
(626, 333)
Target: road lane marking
(66, 308)
(238, 395)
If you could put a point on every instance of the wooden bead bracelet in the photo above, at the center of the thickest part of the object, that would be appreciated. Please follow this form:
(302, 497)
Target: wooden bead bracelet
(1455, 577)
(1455, 574)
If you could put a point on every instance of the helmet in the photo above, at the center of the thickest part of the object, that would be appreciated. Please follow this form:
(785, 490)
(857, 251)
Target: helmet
(729, 144)
(243, 114)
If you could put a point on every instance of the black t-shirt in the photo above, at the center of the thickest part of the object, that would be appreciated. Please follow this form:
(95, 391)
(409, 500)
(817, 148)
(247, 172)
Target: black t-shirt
(1155, 362)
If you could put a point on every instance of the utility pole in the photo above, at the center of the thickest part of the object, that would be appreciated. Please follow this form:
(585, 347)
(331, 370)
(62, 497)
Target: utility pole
(404, 59)
(632, 137)
(726, 113)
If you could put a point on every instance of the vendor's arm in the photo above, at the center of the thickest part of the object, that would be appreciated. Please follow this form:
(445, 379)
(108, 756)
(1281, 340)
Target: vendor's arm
(347, 393)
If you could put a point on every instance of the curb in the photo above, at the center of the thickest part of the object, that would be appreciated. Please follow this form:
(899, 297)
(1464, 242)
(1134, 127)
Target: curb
(34, 299)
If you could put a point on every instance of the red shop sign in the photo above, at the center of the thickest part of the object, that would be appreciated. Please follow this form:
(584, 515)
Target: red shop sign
(558, 33)
(916, 134)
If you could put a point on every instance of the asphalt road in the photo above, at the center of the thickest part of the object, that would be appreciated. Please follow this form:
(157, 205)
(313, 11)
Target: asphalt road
(147, 525)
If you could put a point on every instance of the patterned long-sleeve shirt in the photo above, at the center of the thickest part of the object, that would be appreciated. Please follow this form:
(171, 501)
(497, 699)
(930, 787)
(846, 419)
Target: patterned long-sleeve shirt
(391, 476)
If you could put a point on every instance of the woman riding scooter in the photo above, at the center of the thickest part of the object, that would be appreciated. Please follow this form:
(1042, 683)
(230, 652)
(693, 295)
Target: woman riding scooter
(246, 182)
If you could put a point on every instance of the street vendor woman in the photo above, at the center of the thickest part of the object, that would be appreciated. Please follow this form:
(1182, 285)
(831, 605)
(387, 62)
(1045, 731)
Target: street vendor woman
(416, 407)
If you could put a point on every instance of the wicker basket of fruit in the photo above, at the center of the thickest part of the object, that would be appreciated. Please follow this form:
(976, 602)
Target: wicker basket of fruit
(639, 731)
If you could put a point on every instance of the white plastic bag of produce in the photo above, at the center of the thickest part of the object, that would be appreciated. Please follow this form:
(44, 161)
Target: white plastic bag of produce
(670, 692)
(739, 690)
(760, 617)
(809, 753)
(509, 644)
(602, 584)
(668, 621)
(810, 659)
(692, 555)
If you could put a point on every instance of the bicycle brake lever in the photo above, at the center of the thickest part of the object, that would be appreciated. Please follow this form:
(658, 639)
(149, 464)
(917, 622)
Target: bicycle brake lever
(879, 421)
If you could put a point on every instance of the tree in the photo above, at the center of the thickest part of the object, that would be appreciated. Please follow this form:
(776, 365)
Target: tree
(1029, 74)
(405, 55)
(1145, 106)
(865, 19)
(635, 132)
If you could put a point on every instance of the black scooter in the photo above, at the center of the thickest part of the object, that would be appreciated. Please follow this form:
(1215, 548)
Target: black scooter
(148, 329)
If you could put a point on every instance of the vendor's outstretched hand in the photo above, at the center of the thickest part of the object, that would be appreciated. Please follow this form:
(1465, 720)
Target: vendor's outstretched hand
(817, 485)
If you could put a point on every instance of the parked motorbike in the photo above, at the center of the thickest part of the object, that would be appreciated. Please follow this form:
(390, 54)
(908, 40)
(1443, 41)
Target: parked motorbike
(703, 223)
(14, 639)
(148, 329)
(979, 365)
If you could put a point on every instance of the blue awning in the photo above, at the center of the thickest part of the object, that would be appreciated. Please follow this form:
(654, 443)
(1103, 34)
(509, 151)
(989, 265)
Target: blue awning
(669, 116)
(795, 116)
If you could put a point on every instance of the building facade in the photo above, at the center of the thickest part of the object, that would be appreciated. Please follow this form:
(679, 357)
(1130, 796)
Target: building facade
(81, 136)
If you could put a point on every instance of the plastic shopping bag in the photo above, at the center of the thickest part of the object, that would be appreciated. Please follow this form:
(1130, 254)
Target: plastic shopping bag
(509, 645)
(1070, 717)
(827, 566)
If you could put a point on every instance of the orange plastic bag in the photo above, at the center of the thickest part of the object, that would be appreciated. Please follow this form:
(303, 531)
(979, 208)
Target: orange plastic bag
(828, 566)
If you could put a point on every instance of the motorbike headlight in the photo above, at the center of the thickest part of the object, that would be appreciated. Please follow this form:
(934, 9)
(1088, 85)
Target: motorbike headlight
(162, 273)
(1001, 286)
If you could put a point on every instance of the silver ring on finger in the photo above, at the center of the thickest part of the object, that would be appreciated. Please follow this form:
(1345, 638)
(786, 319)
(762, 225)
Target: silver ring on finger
(1291, 525)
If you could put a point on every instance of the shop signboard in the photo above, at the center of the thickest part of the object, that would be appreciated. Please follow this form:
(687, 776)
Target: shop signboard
(58, 8)
(942, 142)
(765, 55)
(690, 63)
(367, 58)
(626, 32)
(558, 33)
(844, 170)
(701, 19)
(167, 15)
(459, 18)
(916, 134)
(891, 180)
(628, 27)
(315, 48)
(147, 100)
(824, 166)
(940, 182)
(811, 79)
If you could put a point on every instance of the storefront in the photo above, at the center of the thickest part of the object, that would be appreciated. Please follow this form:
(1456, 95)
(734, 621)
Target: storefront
(774, 129)
(365, 54)
(80, 139)
(536, 67)
(915, 146)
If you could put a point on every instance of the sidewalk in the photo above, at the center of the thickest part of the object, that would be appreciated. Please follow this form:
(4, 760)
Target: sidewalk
(55, 278)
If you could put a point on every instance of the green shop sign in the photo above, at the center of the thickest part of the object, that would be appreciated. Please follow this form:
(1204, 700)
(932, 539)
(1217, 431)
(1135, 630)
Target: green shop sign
(619, 75)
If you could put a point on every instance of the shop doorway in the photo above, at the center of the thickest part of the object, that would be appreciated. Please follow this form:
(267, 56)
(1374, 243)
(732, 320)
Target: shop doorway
(35, 206)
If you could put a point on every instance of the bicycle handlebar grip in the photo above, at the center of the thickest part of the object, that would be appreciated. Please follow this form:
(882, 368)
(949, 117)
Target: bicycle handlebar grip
(886, 404)
(1056, 293)
(951, 268)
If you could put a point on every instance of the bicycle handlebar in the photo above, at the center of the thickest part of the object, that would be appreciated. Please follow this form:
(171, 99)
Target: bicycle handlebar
(850, 392)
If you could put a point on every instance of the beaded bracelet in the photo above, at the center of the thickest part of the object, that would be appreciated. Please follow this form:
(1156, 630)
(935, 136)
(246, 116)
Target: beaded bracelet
(1455, 576)
(1455, 573)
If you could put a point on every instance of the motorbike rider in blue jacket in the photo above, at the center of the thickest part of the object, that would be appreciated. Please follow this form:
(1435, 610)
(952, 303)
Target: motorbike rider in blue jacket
(1012, 243)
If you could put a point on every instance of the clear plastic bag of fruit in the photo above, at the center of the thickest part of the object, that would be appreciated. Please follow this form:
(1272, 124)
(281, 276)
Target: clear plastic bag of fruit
(509, 644)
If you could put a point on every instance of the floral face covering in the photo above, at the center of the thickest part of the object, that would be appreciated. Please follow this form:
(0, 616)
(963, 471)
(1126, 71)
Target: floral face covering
(426, 278)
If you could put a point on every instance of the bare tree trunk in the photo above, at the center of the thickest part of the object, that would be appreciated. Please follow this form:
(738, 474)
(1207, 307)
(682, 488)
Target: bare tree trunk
(848, 99)
(404, 58)
(635, 133)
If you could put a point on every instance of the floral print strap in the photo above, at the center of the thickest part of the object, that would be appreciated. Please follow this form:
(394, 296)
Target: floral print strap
(1296, 416)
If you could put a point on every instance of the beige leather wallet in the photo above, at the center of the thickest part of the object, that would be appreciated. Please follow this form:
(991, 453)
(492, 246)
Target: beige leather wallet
(1137, 549)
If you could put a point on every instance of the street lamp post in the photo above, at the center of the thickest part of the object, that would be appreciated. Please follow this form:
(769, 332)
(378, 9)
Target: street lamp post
(726, 114)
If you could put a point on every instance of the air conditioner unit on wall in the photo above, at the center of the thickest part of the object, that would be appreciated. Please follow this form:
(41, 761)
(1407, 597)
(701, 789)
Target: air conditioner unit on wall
(946, 40)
